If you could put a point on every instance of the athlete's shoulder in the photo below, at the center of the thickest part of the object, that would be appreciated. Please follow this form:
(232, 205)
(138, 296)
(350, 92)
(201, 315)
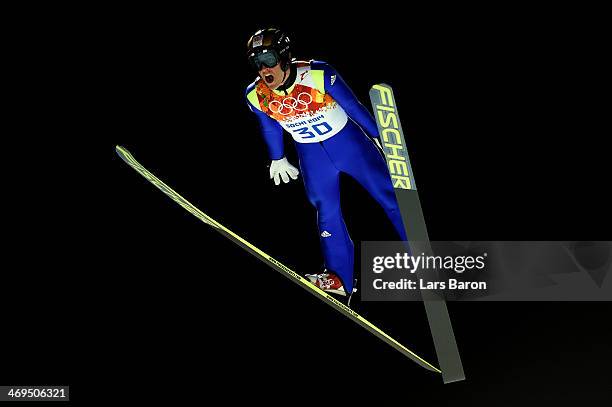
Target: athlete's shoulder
(312, 65)
(252, 86)
(301, 64)
(320, 65)
(251, 94)
(325, 73)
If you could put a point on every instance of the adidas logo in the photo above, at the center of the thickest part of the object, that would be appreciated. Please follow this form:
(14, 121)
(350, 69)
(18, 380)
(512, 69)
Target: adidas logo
(325, 234)
(333, 79)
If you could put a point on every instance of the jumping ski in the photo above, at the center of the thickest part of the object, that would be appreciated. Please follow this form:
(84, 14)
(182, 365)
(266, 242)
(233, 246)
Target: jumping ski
(396, 154)
(273, 263)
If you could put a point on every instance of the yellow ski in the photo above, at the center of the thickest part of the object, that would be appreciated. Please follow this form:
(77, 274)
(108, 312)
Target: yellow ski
(270, 261)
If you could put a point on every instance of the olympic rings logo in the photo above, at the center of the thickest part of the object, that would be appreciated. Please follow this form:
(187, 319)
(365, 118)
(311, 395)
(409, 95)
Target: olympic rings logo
(291, 104)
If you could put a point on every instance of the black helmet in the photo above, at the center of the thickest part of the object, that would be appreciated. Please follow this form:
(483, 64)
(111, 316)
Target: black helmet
(269, 47)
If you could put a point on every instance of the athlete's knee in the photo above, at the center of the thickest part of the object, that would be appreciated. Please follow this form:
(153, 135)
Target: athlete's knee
(329, 217)
(327, 213)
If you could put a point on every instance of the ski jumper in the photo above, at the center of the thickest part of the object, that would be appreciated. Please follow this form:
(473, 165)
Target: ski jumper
(329, 126)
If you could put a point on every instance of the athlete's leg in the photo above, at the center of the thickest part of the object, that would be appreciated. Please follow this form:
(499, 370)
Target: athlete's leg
(355, 154)
(322, 182)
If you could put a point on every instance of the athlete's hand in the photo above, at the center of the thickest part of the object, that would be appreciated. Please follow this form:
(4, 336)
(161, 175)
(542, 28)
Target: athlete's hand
(282, 169)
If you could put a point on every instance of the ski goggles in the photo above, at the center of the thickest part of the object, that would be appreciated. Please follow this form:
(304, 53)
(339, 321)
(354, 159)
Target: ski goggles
(268, 58)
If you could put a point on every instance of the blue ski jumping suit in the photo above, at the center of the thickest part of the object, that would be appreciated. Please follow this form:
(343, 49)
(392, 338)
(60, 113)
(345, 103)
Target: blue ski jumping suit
(329, 126)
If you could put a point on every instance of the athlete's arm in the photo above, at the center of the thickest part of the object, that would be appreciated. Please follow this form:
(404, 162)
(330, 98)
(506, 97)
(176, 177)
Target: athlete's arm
(340, 91)
(272, 133)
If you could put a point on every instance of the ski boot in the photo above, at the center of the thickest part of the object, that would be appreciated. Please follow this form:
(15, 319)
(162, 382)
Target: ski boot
(328, 282)
(331, 283)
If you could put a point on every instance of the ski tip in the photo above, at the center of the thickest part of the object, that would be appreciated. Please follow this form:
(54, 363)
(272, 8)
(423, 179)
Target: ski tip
(122, 152)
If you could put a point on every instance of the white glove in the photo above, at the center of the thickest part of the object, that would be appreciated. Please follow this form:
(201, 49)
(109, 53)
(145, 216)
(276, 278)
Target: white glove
(282, 169)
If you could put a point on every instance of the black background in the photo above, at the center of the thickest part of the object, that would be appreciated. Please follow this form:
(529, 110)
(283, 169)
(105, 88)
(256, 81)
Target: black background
(131, 294)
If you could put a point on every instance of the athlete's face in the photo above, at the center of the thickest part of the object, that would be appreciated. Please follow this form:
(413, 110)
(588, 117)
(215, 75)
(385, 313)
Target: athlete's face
(273, 77)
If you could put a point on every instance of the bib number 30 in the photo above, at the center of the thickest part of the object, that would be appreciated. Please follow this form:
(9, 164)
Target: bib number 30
(319, 128)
